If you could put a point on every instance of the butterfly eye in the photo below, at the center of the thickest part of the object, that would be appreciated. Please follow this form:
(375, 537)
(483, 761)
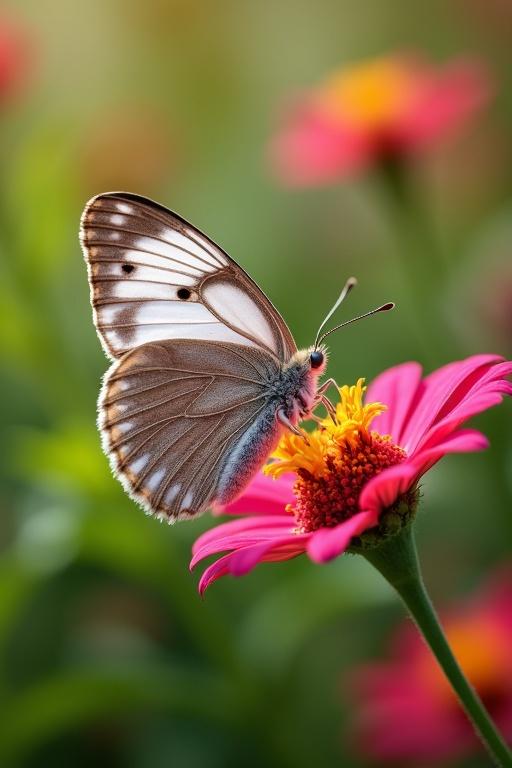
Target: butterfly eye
(316, 358)
(183, 293)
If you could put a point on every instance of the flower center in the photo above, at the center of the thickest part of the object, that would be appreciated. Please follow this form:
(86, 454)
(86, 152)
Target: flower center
(336, 462)
(370, 96)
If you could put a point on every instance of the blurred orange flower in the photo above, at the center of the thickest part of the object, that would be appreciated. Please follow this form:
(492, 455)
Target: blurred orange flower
(409, 689)
(377, 110)
(15, 57)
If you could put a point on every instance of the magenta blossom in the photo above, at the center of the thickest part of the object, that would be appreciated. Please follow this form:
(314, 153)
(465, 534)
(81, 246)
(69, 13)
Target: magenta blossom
(409, 688)
(349, 479)
(388, 107)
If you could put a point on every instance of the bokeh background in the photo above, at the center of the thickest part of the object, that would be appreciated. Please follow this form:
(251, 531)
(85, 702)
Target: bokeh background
(107, 654)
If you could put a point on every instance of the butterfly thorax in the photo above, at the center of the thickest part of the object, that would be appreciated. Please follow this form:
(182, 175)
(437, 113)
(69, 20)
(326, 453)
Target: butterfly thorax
(297, 386)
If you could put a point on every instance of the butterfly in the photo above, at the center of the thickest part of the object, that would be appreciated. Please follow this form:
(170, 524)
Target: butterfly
(205, 375)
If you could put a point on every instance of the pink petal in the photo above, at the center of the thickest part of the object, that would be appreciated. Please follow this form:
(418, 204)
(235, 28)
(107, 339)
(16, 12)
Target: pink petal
(327, 543)
(441, 390)
(487, 378)
(444, 428)
(311, 148)
(244, 560)
(384, 489)
(462, 441)
(213, 572)
(486, 391)
(221, 537)
(241, 561)
(398, 388)
(446, 101)
(263, 496)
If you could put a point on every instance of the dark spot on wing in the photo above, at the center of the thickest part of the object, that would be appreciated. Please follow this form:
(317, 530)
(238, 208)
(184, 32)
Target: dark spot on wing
(123, 322)
(183, 293)
(128, 268)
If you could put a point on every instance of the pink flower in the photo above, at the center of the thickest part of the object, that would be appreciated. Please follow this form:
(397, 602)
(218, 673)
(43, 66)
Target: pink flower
(384, 108)
(410, 689)
(15, 57)
(349, 481)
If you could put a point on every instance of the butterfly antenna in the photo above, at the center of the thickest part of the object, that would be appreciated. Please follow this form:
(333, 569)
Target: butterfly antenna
(383, 308)
(351, 283)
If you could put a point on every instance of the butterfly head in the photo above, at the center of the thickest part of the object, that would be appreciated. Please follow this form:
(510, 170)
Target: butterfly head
(299, 382)
(311, 361)
(317, 359)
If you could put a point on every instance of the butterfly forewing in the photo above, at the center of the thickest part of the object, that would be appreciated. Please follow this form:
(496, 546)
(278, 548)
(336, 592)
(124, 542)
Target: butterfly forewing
(153, 276)
(170, 413)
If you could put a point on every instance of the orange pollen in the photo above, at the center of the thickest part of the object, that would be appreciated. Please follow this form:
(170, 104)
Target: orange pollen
(329, 498)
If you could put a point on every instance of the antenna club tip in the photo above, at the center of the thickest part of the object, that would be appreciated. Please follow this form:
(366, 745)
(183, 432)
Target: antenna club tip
(351, 282)
(388, 306)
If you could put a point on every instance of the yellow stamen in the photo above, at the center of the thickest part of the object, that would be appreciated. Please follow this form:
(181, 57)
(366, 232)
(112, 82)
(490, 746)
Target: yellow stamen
(293, 453)
(352, 423)
(353, 418)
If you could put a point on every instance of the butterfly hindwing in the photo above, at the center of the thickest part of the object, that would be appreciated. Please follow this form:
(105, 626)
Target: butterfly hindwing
(154, 276)
(170, 414)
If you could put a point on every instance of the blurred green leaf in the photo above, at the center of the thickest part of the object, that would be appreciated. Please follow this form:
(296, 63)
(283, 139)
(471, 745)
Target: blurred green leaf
(125, 541)
(74, 699)
(70, 457)
(301, 603)
(17, 586)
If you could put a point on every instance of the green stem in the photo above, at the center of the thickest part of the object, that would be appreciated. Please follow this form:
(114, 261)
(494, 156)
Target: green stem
(418, 255)
(397, 560)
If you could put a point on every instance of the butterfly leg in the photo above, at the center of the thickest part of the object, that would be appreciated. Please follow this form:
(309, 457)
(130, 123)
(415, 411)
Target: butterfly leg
(322, 399)
(322, 389)
(329, 407)
(285, 421)
(316, 419)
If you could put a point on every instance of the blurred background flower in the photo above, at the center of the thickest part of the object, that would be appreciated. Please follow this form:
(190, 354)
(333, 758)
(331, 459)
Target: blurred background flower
(16, 56)
(378, 111)
(406, 714)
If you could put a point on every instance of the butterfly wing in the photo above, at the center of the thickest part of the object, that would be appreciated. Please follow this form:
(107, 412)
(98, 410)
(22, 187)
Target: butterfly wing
(154, 276)
(172, 414)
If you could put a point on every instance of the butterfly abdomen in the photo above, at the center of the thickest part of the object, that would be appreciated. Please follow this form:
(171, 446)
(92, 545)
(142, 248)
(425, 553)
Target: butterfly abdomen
(291, 390)
(248, 454)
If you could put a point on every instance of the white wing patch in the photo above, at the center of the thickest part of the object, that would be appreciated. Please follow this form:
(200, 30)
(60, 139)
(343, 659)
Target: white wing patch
(238, 309)
(155, 277)
(141, 334)
(151, 312)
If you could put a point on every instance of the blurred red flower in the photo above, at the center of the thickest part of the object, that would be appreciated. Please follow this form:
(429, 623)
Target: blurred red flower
(374, 111)
(410, 690)
(15, 57)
